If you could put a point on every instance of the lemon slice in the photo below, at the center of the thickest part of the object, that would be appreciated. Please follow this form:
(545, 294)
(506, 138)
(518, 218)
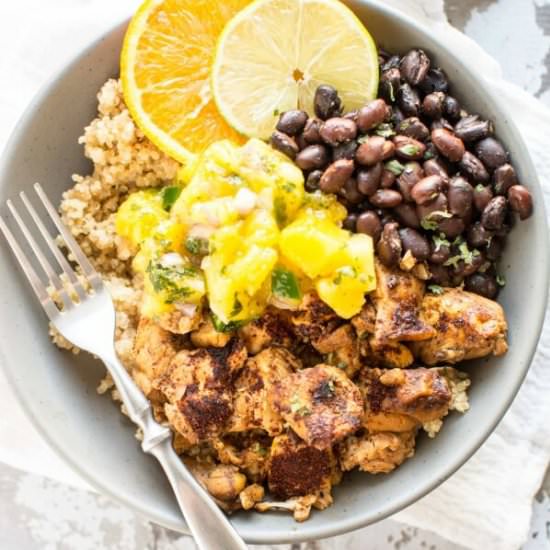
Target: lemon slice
(165, 71)
(273, 55)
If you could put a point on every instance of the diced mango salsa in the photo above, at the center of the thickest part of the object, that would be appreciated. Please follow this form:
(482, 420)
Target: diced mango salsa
(244, 233)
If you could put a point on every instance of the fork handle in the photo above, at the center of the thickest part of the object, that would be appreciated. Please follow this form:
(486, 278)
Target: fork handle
(208, 524)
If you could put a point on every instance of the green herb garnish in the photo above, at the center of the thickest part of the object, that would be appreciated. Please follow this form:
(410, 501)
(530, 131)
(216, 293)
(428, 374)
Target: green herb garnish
(284, 284)
(410, 150)
(220, 326)
(385, 130)
(395, 167)
(501, 280)
(196, 246)
(435, 289)
(280, 210)
(170, 281)
(237, 307)
(169, 196)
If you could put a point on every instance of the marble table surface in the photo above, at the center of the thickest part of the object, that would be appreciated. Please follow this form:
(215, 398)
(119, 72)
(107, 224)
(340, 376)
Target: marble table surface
(40, 514)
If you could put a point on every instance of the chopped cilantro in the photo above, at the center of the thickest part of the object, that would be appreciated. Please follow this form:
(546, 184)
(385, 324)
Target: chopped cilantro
(429, 223)
(237, 307)
(501, 280)
(197, 246)
(170, 281)
(440, 241)
(395, 167)
(429, 154)
(169, 196)
(220, 326)
(435, 289)
(385, 130)
(410, 150)
(276, 112)
(296, 406)
(280, 210)
(284, 284)
(467, 254)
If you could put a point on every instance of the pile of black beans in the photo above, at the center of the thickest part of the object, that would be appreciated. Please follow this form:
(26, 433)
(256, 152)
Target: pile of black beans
(417, 172)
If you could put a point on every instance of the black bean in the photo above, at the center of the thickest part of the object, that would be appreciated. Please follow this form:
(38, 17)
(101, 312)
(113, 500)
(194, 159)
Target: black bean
(491, 152)
(432, 106)
(345, 150)
(494, 249)
(451, 108)
(440, 274)
(431, 151)
(350, 222)
(434, 211)
(373, 150)
(372, 114)
(386, 216)
(389, 84)
(427, 189)
(410, 176)
(440, 250)
(460, 196)
(471, 166)
(503, 178)
(389, 246)
(313, 157)
(482, 284)
(476, 261)
(412, 127)
(338, 130)
(336, 175)
(435, 81)
(482, 196)
(471, 128)
(451, 227)
(448, 144)
(415, 242)
(408, 148)
(311, 131)
(351, 193)
(494, 214)
(391, 63)
(312, 180)
(386, 198)
(414, 67)
(292, 122)
(388, 179)
(285, 144)
(301, 141)
(352, 115)
(397, 116)
(478, 236)
(408, 100)
(406, 214)
(434, 167)
(369, 223)
(521, 201)
(327, 103)
(369, 180)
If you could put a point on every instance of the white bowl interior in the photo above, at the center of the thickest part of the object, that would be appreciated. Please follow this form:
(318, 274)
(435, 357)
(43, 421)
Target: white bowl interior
(57, 389)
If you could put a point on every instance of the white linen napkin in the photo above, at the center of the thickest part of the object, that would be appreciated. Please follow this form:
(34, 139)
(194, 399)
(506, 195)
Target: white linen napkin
(488, 502)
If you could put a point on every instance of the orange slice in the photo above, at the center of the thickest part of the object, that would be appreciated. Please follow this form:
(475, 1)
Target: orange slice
(165, 71)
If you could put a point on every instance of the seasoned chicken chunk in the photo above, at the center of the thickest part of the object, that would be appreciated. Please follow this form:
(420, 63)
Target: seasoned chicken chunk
(178, 322)
(400, 400)
(321, 404)
(342, 349)
(198, 386)
(206, 335)
(466, 326)
(365, 321)
(251, 407)
(297, 469)
(376, 453)
(313, 318)
(397, 299)
(154, 348)
(271, 329)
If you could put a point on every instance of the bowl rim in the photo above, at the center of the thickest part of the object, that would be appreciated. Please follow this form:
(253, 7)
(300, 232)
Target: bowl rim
(251, 534)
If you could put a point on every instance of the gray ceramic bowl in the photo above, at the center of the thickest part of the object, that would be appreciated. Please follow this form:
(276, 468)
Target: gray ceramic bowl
(57, 390)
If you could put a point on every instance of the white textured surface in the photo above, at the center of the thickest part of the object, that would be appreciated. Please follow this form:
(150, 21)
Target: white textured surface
(486, 504)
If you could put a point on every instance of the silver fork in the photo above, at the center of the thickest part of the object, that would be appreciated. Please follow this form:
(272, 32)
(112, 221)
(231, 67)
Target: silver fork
(89, 323)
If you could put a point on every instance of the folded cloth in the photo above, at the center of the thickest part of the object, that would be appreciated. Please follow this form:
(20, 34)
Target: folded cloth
(488, 502)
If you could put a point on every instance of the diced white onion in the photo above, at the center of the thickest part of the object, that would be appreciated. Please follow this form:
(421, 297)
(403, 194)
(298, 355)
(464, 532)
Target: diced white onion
(201, 231)
(245, 201)
(188, 310)
(172, 259)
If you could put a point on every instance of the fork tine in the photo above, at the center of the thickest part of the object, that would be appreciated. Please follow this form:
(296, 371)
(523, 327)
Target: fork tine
(48, 270)
(87, 268)
(67, 269)
(34, 280)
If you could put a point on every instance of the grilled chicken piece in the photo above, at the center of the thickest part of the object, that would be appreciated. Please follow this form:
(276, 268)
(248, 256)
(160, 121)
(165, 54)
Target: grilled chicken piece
(271, 329)
(397, 299)
(376, 453)
(466, 326)
(313, 318)
(365, 322)
(206, 336)
(154, 348)
(342, 348)
(400, 400)
(198, 386)
(251, 408)
(321, 404)
(296, 469)
(180, 323)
